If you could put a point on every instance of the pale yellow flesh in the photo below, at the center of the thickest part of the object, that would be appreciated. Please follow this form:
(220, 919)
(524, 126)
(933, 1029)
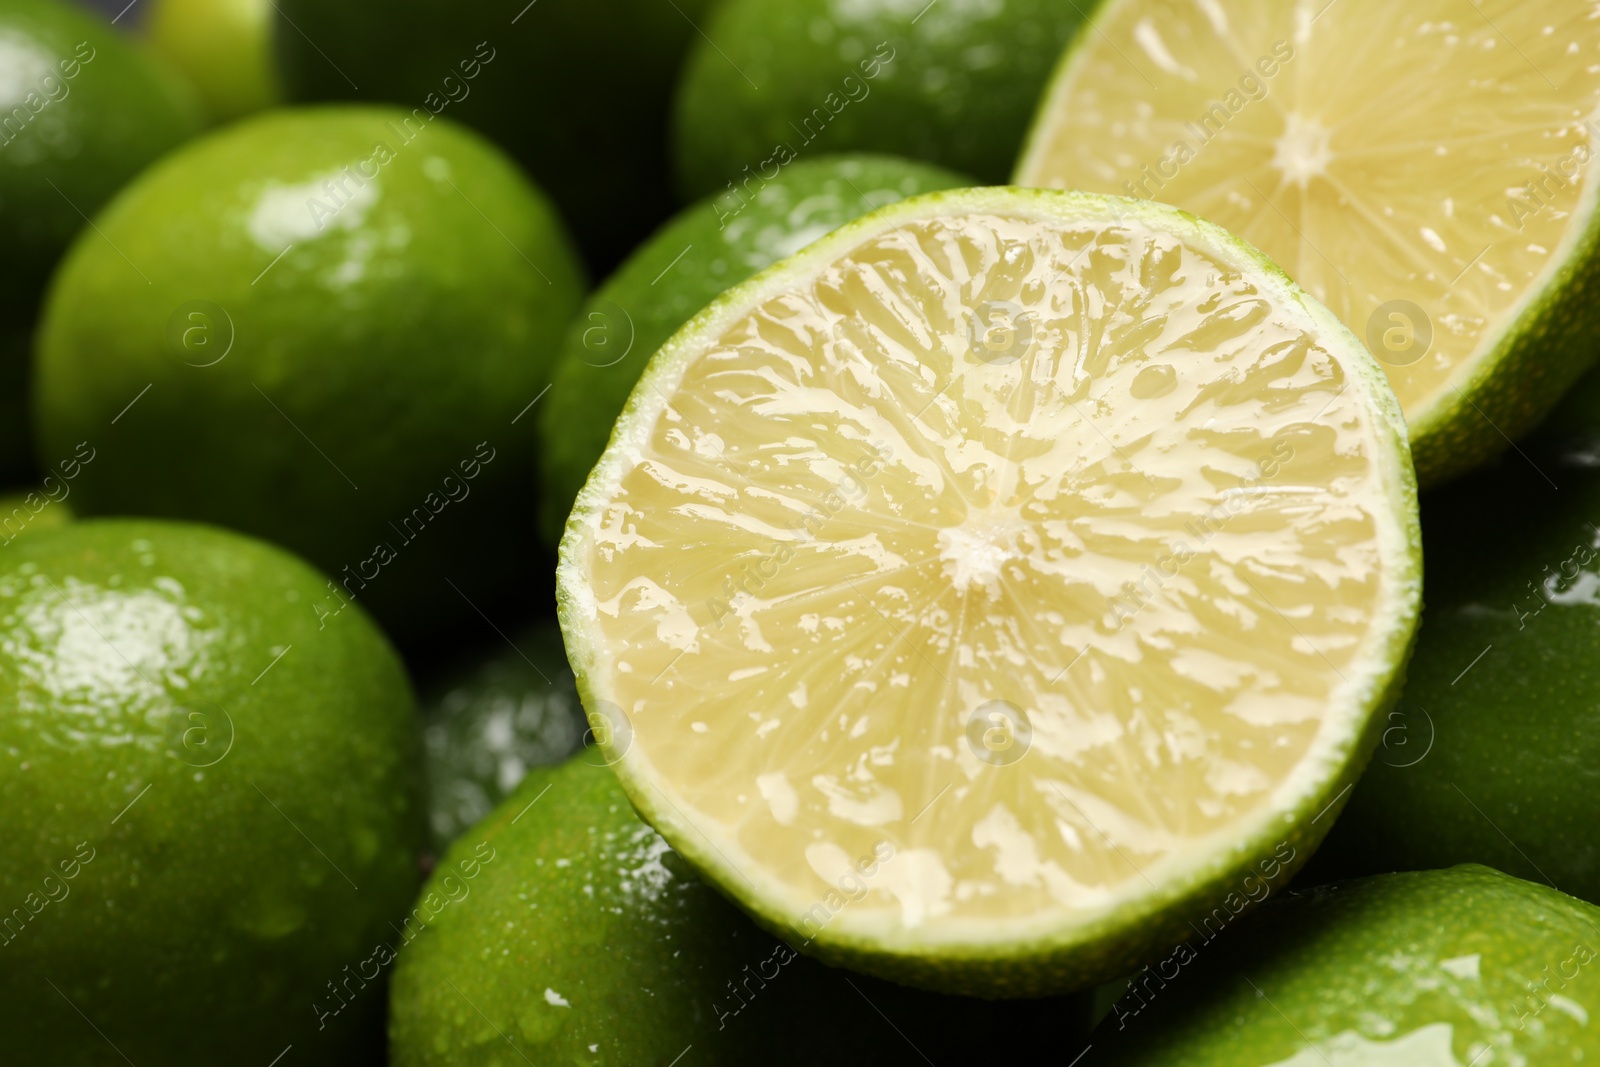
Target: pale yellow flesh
(1434, 152)
(1162, 533)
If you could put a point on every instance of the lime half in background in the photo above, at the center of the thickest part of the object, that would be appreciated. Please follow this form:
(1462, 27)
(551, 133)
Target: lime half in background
(704, 250)
(1427, 170)
(1038, 561)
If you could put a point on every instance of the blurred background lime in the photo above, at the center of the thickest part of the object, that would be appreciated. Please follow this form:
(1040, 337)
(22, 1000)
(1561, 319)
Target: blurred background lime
(705, 249)
(224, 49)
(950, 83)
(81, 112)
(492, 716)
(577, 90)
(1493, 753)
(212, 805)
(1427, 969)
(565, 928)
(306, 327)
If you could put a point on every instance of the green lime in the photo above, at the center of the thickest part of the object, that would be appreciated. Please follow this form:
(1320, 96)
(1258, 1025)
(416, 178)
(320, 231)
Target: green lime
(563, 930)
(1487, 758)
(1430, 969)
(224, 48)
(323, 328)
(212, 805)
(773, 81)
(493, 717)
(1376, 152)
(81, 112)
(707, 248)
(577, 90)
(1050, 556)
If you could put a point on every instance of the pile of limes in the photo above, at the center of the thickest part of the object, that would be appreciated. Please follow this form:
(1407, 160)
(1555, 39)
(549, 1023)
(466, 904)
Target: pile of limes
(892, 617)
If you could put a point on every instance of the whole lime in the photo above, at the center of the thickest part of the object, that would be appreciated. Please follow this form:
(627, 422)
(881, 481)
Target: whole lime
(564, 929)
(706, 249)
(81, 112)
(224, 48)
(211, 805)
(577, 90)
(951, 83)
(326, 328)
(1491, 754)
(490, 718)
(1446, 968)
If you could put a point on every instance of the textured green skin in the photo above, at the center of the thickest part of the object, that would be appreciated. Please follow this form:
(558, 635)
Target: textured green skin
(1536, 359)
(1085, 954)
(959, 91)
(395, 377)
(205, 923)
(643, 977)
(1320, 962)
(120, 112)
(511, 707)
(707, 248)
(578, 90)
(1517, 735)
(224, 49)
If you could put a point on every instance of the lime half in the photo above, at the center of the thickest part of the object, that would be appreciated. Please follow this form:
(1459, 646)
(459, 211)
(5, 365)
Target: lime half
(996, 586)
(1425, 169)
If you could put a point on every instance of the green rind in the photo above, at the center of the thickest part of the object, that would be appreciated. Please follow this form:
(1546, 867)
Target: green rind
(1513, 380)
(1374, 957)
(699, 254)
(563, 888)
(1091, 952)
(369, 412)
(1493, 755)
(950, 83)
(577, 90)
(66, 146)
(242, 858)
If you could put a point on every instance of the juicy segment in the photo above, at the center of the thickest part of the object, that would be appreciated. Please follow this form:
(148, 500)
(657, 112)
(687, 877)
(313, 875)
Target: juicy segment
(990, 572)
(1436, 153)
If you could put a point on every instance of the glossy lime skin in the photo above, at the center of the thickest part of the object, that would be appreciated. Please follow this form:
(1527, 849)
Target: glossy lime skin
(577, 90)
(247, 785)
(361, 400)
(563, 892)
(224, 49)
(951, 83)
(1493, 753)
(507, 708)
(1365, 957)
(704, 250)
(83, 111)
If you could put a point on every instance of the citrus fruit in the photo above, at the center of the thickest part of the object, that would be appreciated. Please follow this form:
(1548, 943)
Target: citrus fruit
(1047, 556)
(1422, 169)
(564, 929)
(776, 80)
(326, 334)
(577, 90)
(224, 48)
(1487, 756)
(706, 248)
(491, 718)
(81, 112)
(1430, 969)
(212, 806)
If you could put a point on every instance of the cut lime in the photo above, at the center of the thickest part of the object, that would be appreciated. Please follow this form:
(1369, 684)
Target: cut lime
(990, 589)
(1424, 169)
